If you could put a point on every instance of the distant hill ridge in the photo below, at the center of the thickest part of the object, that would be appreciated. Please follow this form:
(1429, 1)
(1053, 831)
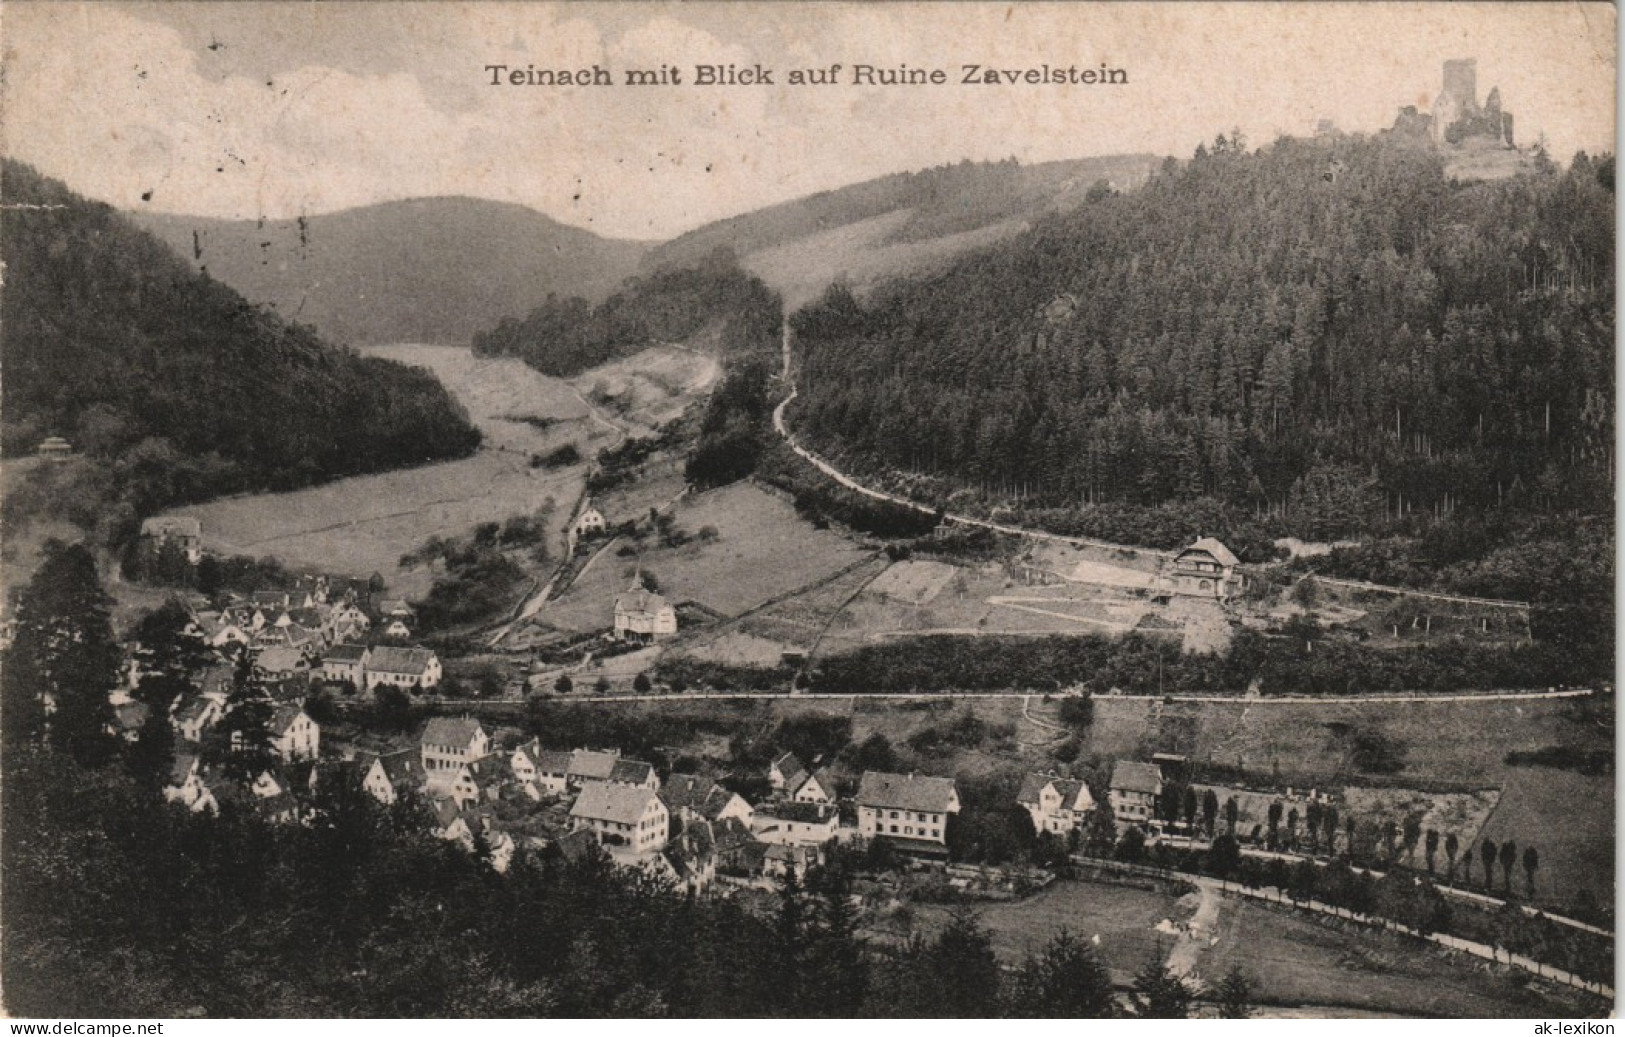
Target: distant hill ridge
(422, 270)
(172, 385)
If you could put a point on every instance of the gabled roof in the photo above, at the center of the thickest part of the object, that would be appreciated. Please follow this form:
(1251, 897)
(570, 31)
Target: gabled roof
(619, 803)
(686, 791)
(640, 600)
(279, 659)
(402, 768)
(789, 763)
(1032, 786)
(592, 764)
(1133, 776)
(1071, 791)
(1212, 546)
(282, 718)
(413, 661)
(492, 769)
(394, 607)
(908, 792)
(345, 654)
(632, 772)
(459, 731)
(825, 779)
(193, 709)
(552, 761)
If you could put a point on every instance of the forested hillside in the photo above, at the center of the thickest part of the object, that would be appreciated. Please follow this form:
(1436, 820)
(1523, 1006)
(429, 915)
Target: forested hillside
(171, 384)
(421, 270)
(564, 336)
(1330, 335)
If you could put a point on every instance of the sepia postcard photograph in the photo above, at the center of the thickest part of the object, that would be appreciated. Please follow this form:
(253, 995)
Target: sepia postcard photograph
(738, 510)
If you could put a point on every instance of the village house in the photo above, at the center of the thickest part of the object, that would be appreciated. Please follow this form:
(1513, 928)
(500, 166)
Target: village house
(818, 787)
(184, 533)
(346, 663)
(403, 668)
(449, 742)
(589, 523)
(195, 715)
(348, 621)
(397, 628)
(697, 798)
(644, 616)
(186, 785)
(390, 776)
(455, 783)
(634, 774)
(294, 736)
(221, 630)
(1057, 805)
(795, 824)
(1205, 569)
(587, 766)
(692, 856)
(622, 816)
(785, 773)
(449, 822)
(1135, 787)
(279, 662)
(547, 770)
(910, 810)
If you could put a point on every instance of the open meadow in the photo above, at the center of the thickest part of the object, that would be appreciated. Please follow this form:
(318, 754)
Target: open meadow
(363, 525)
(761, 550)
(1310, 962)
(1123, 916)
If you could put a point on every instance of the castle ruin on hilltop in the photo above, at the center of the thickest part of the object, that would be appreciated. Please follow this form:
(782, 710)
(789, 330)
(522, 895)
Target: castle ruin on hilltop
(1457, 117)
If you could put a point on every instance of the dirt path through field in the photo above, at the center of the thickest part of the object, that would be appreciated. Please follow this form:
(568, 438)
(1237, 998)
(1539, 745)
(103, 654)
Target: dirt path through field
(1199, 933)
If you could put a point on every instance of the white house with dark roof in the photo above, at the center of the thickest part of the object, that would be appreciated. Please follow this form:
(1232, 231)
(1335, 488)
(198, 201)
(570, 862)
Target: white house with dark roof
(186, 785)
(795, 824)
(623, 816)
(1205, 569)
(817, 787)
(589, 523)
(1056, 805)
(642, 615)
(786, 773)
(547, 770)
(402, 668)
(183, 532)
(390, 776)
(695, 797)
(346, 663)
(906, 807)
(635, 774)
(294, 735)
(195, 715)
(450, 742)
(1135, 787)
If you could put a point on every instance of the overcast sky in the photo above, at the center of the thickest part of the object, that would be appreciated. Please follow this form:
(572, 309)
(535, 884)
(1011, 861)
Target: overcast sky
(248, 110)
